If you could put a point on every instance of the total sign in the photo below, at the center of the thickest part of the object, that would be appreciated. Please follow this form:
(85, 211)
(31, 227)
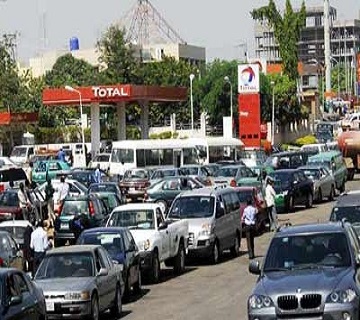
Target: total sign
(248, 78)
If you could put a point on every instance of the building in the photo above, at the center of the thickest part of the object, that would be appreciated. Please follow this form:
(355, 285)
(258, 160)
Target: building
(193, 54)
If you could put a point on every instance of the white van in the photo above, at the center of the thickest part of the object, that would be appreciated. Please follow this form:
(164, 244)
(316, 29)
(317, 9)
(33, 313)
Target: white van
(21, 154)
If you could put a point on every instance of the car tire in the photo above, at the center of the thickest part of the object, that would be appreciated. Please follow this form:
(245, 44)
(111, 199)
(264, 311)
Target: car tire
(179, 261)
(215, 253)
(163, 205)
(309, 200)
(320, 196)
(235, 249)
(155, 270)
(137, 284)
(116, 310)
(332, 193)
(94, 308)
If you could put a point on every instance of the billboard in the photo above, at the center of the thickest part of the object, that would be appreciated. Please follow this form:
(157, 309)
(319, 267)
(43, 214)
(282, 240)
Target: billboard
(248, 78)
(249, 119)
(261, 62)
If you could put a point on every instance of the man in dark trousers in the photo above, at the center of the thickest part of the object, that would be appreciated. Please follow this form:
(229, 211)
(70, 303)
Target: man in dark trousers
(249, 219)
(27, 251)
(39, 242)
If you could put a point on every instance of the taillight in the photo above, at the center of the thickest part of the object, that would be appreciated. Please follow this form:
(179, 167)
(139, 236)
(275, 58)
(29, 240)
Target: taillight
(2, 187)
(2, 262)
(233, 183)
(91, 208)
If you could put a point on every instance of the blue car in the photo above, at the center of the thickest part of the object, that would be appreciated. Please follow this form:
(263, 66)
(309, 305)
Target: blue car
(122, 248)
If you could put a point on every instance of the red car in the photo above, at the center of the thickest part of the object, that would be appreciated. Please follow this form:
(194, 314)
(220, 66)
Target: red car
(258, 199)
(134, 183)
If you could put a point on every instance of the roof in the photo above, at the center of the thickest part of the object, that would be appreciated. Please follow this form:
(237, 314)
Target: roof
(348, 199)
(104, 230)
(325, 155)
(207, 191)
(16, 223)
(73, 249)
(310, 228)
(137, 206)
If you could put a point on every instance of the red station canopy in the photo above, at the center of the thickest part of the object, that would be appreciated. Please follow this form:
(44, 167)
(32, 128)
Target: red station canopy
(9, 118)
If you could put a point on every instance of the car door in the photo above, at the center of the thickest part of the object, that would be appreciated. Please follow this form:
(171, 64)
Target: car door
(296, 190)
(225, 223)
(131, 256)
(102, 281)
(16, 254)
(303, 186)
(164, 234)
(326, 181)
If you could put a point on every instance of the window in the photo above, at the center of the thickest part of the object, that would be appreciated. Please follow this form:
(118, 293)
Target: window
(140, 158)
(99, 263)
(21, 283)
(104, 257)
(122, 155)
(166, 157)
(229, 206)
(152, 157)
(235, 200)
(159, 217)
(172, 185)
(127, 242)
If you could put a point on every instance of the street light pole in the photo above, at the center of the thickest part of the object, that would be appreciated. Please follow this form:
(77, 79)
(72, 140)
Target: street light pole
(192, 76)
(227, 80)
(273, 114)
(71, 89)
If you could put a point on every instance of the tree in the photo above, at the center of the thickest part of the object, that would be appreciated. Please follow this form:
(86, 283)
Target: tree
(286, 32)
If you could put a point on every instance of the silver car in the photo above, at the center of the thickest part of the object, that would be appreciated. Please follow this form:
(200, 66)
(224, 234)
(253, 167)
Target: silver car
(80, 281)
(324, 182)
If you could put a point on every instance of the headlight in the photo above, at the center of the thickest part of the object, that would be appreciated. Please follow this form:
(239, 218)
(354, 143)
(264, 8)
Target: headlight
(259, 302)
(85, 295)
(341, 296)
(146, 244)
(206, 229)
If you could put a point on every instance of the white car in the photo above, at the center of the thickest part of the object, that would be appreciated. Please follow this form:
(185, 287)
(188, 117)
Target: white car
(158, 240)
(351, 121)
(17, 229)
(103, 159)
(76, 188)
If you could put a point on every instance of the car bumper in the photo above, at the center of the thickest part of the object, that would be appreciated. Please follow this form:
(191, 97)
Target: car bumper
(67, 309)
(202, 248)
(331, 312)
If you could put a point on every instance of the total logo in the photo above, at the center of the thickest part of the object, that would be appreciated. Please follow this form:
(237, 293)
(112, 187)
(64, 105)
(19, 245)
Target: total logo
(247, 76)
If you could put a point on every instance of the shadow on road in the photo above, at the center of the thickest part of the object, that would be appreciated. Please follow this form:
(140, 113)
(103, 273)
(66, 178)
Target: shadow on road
(168, 274)
(107, 316)
(135, 297)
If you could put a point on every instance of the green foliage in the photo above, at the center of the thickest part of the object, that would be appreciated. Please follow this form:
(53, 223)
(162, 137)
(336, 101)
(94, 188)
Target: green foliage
(133, 133)
(310, 139)
(164, 135)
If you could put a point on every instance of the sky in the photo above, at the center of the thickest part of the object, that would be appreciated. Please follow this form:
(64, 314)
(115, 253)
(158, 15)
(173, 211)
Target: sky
(219, 26)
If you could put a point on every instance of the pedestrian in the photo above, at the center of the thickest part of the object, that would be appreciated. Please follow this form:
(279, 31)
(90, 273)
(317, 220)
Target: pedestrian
(39, 242)
(78, 224)
(61, 155)
(98, 178)
(27, 251)
(270, 195)
(24, 202)
(63, 191)
(49, 198)
(29, 172)
(249, 220)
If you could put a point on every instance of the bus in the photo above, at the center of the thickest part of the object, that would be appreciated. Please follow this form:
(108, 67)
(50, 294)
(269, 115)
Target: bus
(153, 153)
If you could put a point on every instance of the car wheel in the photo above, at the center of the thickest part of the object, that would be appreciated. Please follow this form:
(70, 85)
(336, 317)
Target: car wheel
(116, 310)
(179, 263)
(309, 201)
(236, 247)
(163, 205)
(155, 272)
(332, 193)
(215, 253)
(320, 197)
(94, 308)
(137, 284)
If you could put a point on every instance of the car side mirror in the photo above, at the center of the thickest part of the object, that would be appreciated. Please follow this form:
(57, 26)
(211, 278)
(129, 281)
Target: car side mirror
(162, 226)
(254, 267)
(15, 300)
(103, 272)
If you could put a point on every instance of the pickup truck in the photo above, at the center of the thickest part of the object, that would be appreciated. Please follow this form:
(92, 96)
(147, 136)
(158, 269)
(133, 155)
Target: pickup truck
(158, 240)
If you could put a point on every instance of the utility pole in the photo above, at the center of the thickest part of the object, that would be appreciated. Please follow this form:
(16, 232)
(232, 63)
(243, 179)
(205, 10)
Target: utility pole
(327, 46)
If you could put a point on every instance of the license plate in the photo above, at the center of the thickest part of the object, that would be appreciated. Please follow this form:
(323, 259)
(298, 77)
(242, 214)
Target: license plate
(50, 306)
(64, 226)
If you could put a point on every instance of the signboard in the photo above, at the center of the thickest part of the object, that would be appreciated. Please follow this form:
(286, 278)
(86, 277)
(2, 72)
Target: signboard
(249, 119)
(248, 78)
(261, 62)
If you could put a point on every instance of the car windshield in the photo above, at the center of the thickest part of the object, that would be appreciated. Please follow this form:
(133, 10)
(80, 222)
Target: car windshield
(103, 188)
(133, 219)
(244, 195)
(67, 265)
(312, 173)
(112, 242)
(190, 171)
(73, 207)
(19, 152)
(16, 231)
(192, 207)
(320, 163)
(9, 199)
(351, 214)
(283, 177)
(226, 172)
(83, 176)
(135, 174)
(308, 250)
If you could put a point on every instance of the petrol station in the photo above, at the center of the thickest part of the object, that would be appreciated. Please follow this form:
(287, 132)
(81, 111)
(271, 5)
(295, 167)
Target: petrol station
(119, 96)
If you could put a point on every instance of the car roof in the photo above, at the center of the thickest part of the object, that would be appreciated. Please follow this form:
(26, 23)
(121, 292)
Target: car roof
(138, 206)
(15, 223)
(207, 191)
(233, 166)
(327, 227)
(348, 199)
(284, 171)
(309, 166)
(104, 230)
(325, 155)
(73, 249)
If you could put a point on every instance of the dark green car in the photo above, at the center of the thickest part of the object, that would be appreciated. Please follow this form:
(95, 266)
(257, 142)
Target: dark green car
(110, 199)
(49, 169)
(165, 191)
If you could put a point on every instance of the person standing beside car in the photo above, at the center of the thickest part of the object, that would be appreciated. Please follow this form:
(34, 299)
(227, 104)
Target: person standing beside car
(49, 198)
(63, 190)
(249, 219)
(270, 195)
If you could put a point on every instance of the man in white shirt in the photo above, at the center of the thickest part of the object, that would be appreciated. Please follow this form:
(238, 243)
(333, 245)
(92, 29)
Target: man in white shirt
(270, 195)
(39, 243)
(63, 190)
(249, 219)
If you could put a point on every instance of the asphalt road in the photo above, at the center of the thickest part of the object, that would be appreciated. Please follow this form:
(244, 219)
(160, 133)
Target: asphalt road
(213, 292)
